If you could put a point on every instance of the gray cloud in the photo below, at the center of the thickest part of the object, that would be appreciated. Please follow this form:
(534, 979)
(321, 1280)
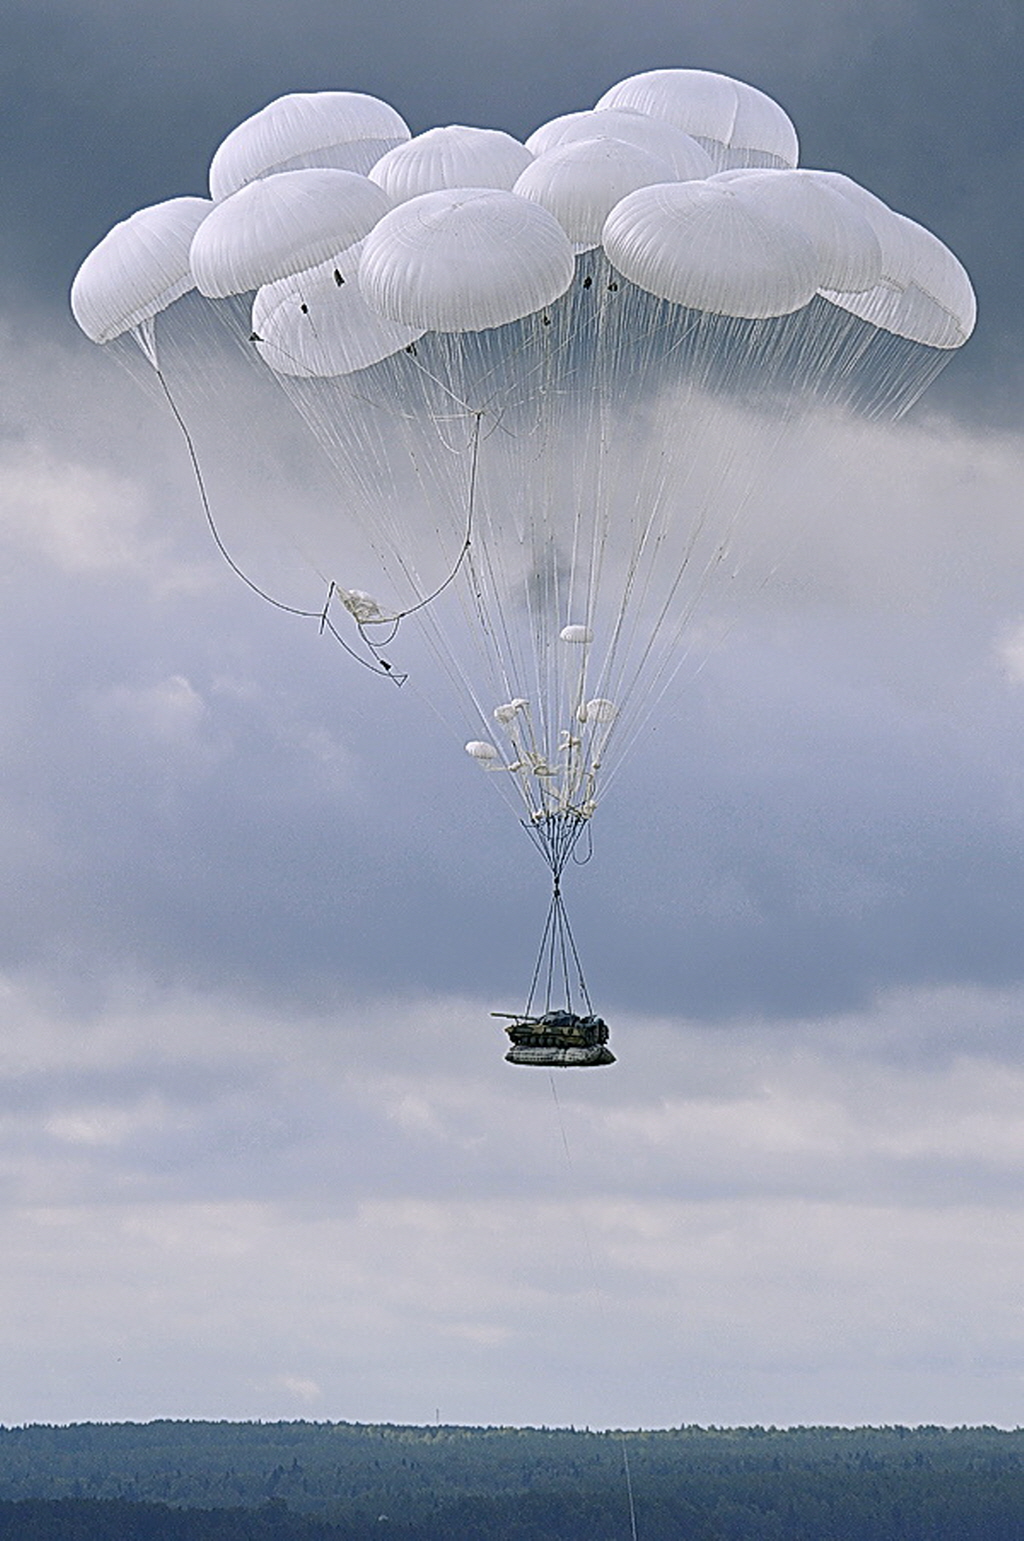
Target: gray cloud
(212, 790)
(376, 1220)
(259, 1153)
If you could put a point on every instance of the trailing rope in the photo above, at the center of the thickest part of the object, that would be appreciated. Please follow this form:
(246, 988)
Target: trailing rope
(597, 1288)
(378, 666)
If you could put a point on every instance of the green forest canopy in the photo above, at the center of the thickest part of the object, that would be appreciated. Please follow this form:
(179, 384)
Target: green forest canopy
(340, 1481)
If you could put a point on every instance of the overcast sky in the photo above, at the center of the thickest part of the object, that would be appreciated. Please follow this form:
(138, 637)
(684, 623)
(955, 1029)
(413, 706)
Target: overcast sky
(260, 1155)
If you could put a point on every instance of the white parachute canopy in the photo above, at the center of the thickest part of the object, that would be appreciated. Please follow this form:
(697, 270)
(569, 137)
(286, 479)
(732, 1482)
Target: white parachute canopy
(317, 322)
(737, 124)
(580, 182)
(344, 129)
(708, 247)
(663, 141)
(465, 260)
(847, 247)
(454, 156)
(280, 225)
(565, 387)
(138, 269)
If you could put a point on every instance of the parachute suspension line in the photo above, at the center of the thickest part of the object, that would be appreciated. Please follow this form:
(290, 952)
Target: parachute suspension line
(581, 861)
(641, 569)
(840, 342)
(366, 627)
(379, 666)
(473, 551)
(421, 604)
(658, 659)
(434, 467)
(558, 963)
(378, 489)
(442, 386)
(208, 511)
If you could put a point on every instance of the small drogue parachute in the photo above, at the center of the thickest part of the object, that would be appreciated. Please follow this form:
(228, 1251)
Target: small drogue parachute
(559, 383)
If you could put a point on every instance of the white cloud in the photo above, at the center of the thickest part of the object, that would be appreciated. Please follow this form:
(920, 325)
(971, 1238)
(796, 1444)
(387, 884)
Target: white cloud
(1009, 652)
(302, 1388)
(752, 1217)
(170, 712)
(283, 1192)
(107, 1126)
(80, 517)
(218, 1204)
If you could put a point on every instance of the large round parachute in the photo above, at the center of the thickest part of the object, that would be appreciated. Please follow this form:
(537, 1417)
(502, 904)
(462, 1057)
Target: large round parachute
(555, 380)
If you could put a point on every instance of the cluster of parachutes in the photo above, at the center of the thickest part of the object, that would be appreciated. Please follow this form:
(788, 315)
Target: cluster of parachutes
(553, 378)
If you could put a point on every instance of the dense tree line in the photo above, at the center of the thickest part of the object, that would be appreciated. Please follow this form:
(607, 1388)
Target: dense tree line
(117, 1519)
(168, 1481)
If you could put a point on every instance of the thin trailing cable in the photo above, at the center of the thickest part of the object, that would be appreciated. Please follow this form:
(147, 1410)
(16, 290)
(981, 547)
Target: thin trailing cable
(368, 471)
(200, 481)
(400, 615)
(374, 643)
(597, 1288)
(379, 666)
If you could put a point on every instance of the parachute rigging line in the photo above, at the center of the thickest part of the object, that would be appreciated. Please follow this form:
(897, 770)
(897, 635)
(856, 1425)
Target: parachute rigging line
(581, 861)
(556, 836)
(379, 666)
(558, 959)
(421, 604)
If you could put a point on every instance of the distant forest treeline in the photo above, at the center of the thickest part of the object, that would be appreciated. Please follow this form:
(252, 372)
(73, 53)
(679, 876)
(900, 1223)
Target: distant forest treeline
(193, 1481)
